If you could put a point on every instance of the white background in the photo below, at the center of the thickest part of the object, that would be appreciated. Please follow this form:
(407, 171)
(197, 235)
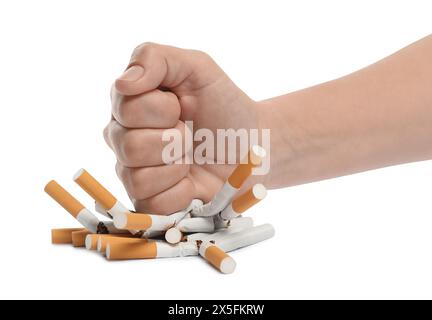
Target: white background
(363, 236)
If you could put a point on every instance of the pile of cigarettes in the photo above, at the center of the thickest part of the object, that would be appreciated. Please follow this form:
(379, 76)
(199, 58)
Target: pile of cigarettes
(208, 230)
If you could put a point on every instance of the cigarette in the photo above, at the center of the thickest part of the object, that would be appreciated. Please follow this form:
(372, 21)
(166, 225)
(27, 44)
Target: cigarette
(217, 257)
(143, 221)
(101, 195)
(91, 240)
(149, 250)
(198, 224)
(103, 241)
(98, 192)
(63, 235)
(245, 237)
(173, 235)
(73, 206)
(78, 238)
(244, 202)
(234, 182)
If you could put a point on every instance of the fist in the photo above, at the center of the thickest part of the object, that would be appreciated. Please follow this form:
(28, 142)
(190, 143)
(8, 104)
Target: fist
(161, 88)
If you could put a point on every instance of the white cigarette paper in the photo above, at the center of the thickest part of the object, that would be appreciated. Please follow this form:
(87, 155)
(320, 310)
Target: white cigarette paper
(99, 209)
(199, 224)
(245, 237)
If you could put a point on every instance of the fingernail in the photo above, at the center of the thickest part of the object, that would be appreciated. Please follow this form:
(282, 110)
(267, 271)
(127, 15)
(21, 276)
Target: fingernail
(132, 74)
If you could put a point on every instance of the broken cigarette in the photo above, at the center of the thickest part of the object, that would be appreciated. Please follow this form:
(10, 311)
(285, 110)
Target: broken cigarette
(149, 250)
(234, 182)
(217, 257)
(63, 235)
(244, 202)
(74, 207)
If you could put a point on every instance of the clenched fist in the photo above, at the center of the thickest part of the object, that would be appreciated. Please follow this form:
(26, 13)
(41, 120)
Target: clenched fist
(162, 88)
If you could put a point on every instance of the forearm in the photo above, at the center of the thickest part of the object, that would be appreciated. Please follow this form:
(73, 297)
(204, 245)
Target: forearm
(376, 117)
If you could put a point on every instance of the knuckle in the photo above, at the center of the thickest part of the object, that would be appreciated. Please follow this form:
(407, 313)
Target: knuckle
(201, 56)
(144, 48)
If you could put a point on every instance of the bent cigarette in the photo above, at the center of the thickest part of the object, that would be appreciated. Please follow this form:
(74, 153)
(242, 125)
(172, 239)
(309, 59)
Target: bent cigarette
(248, 199)
(103, 241)
(63, 235)
(234, 182)
(150, 250)
(198, 224)
(73, 206)
(217, 257)
(78, 238)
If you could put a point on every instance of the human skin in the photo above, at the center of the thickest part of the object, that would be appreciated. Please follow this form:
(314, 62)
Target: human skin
(378, 116)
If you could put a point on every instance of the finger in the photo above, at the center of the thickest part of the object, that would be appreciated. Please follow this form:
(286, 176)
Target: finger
(154, 109)
(143, 183)
(143, 147)
(174, 199)
(153, 65)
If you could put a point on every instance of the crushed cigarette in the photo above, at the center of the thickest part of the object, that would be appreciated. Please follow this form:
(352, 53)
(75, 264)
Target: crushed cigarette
(208, 230)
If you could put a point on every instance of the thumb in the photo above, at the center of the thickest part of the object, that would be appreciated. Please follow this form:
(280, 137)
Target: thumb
(154, 65)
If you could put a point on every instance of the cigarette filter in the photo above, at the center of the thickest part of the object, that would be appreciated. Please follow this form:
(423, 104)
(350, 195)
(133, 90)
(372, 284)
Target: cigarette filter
(72, 205)
(78, 238)
(244, 202)
(173, 235)
(150, 250)
(64, 235)
(233, 183)
(98, 192)
(103, 241)
(143, 221)
(91, 240)
(198, 224)
(217, 257)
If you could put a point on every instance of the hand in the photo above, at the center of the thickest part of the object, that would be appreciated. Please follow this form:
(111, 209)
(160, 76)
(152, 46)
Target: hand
(162, 88)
